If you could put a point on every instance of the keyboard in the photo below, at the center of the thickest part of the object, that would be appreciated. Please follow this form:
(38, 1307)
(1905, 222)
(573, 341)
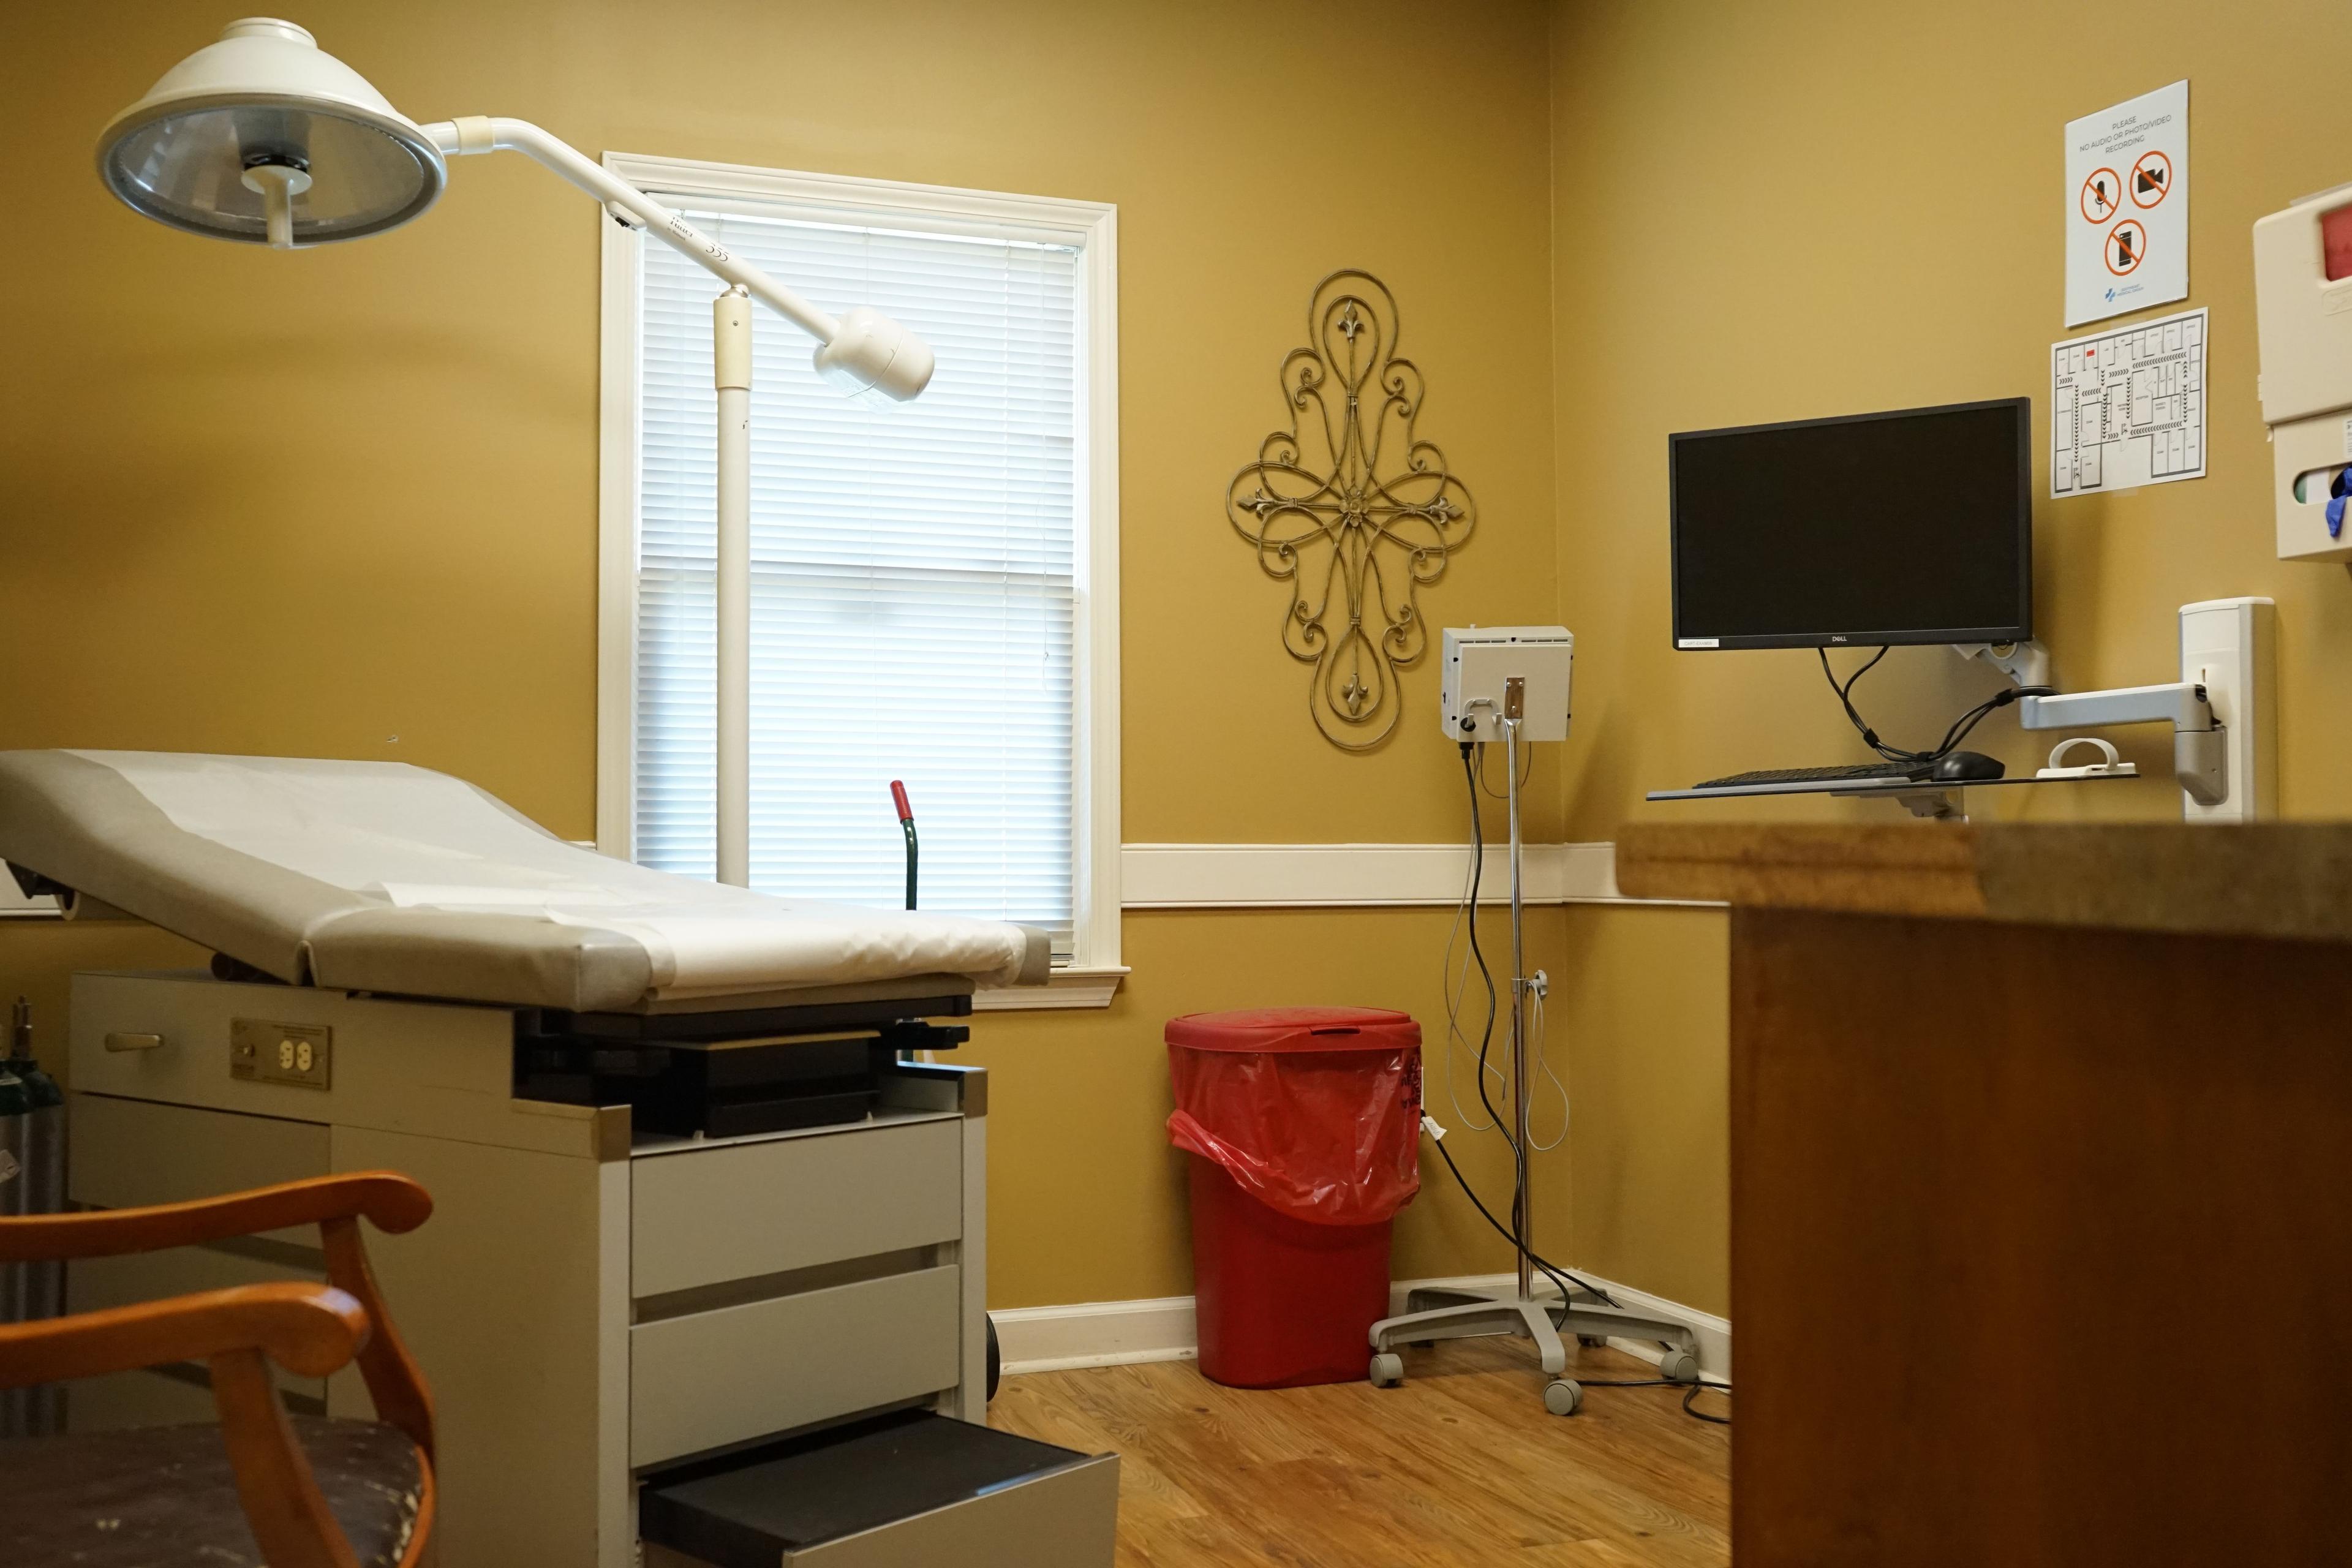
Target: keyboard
(1862, 771)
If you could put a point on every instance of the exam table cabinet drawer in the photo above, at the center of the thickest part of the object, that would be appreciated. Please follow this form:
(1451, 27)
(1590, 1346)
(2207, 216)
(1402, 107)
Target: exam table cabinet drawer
(909, 1490)
(704, 1216)
(708, 1379)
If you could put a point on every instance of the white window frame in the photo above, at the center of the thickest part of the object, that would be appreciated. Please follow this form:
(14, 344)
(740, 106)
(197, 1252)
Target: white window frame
(1093, 969)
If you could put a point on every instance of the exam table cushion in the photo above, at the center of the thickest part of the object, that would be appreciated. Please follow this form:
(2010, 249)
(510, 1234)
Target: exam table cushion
(162, 1496)
(388, 877)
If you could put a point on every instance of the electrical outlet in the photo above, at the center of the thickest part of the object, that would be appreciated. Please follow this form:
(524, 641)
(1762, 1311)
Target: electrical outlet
(300, 1055)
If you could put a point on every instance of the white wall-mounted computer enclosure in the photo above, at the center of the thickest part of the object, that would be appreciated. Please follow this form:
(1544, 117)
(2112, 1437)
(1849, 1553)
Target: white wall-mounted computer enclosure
(2302, 295)
(1481, 662)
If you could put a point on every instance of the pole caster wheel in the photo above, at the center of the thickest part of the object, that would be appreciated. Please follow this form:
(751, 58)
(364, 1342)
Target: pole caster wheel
(1563, 1397)
(1387, 1370)
(1591, 1342)
(1679, 1366)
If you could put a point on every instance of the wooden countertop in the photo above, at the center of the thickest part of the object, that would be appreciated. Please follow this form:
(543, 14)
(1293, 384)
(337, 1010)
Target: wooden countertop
(2289, 880)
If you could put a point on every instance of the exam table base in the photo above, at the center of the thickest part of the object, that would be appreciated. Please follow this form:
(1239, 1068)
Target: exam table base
(591, 1308)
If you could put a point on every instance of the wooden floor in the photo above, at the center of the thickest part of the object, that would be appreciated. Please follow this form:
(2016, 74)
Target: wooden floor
(1461, 1465)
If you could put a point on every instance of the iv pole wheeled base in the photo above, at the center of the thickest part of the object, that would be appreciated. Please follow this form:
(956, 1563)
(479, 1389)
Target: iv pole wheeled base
(1433, 1314)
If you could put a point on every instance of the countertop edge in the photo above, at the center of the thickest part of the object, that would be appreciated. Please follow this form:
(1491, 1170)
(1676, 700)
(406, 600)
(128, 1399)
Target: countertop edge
(2273, 881)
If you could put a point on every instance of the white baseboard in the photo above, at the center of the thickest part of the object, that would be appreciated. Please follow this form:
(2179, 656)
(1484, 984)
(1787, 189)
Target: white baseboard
(1095, 1333)
(1114, 1333)
(1325, 876)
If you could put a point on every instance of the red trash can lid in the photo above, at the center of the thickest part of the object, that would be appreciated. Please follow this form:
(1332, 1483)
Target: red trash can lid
(1295, 1029)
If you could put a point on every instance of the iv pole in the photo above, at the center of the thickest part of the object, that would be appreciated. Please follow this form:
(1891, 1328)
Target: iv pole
(1434, 1313)
(1522, 1207)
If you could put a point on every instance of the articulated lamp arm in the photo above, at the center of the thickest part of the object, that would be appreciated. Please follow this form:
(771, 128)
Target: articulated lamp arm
(863, 350)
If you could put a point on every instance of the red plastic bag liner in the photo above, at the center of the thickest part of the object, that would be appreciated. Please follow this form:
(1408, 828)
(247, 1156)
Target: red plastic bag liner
(1314, 1111)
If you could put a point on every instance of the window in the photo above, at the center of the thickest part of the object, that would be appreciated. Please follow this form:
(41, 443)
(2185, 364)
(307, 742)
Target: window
(933, 585)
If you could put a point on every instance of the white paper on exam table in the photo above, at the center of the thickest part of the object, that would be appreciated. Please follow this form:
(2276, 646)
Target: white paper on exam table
(387, 877)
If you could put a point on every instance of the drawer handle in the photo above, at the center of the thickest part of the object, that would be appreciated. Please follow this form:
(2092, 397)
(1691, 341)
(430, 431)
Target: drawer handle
(134, 1042)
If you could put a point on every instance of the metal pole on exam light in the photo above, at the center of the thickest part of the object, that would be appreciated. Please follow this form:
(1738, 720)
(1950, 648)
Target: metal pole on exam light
(730, 364)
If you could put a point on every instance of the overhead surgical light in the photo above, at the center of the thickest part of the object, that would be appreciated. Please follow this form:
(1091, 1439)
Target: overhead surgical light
(264, 137)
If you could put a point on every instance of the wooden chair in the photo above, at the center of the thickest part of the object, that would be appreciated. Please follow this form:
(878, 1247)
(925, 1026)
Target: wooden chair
(262, 1486)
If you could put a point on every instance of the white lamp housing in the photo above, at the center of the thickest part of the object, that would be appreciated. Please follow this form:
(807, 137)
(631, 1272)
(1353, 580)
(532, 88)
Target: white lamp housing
(873, 353)
(263, 137)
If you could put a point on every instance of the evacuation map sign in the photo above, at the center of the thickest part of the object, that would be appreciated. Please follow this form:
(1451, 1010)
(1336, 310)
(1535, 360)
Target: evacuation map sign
(2127, 407)
(2128, 206)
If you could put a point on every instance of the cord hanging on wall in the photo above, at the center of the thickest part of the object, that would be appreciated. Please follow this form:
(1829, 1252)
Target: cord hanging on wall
(1326, 516)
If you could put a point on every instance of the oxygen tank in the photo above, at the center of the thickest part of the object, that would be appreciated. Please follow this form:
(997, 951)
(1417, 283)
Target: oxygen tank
(32, 1180)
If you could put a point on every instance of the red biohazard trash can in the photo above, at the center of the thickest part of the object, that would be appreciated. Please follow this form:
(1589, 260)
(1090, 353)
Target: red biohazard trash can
(1304, 1128)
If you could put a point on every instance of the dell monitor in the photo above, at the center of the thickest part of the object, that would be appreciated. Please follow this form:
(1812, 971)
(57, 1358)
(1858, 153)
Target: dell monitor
(1910, 527)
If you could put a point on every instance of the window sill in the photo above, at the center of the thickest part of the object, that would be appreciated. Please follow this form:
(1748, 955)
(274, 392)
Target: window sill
(1063, 988)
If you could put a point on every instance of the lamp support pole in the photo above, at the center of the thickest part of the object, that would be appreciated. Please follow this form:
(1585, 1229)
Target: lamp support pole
(865, 348)
(730, 363)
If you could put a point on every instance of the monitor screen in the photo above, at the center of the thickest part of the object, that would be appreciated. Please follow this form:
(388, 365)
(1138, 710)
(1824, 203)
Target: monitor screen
(1909, 527)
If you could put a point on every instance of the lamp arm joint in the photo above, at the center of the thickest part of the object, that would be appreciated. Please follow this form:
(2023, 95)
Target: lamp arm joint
(471, 134)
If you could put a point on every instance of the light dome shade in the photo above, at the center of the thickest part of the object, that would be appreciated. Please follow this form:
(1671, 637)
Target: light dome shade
(266, 94)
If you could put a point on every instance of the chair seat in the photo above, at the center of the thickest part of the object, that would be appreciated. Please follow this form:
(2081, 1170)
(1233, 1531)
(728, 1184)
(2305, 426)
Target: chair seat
(164, 1496)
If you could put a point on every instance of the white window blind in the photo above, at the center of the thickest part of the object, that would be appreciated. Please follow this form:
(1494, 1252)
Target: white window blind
(911, 575)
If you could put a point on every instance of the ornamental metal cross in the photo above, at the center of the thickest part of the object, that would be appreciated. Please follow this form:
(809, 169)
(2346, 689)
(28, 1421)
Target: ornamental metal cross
(1319, 484)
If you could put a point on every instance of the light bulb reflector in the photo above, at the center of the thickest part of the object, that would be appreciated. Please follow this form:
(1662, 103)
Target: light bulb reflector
(188, 170)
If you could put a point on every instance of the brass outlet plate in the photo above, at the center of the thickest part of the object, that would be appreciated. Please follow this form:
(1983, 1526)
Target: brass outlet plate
(302, 1055)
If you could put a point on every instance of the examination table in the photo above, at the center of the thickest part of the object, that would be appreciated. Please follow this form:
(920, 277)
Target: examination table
(706, 1276)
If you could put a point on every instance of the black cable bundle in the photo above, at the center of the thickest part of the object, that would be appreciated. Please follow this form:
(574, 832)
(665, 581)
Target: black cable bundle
(1952, 737)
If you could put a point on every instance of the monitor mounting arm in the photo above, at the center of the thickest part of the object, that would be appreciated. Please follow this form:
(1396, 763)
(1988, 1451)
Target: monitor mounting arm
(2222, 709)
(2200, 757)
(2025, 663)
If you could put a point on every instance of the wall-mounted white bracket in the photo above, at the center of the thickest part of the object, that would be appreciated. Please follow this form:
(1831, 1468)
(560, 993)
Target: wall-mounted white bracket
(2222, 709)
(2025, 663)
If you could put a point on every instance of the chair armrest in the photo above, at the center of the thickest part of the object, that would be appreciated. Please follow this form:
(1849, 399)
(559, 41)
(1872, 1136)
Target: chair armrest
(390, 1200)
(308, 1330)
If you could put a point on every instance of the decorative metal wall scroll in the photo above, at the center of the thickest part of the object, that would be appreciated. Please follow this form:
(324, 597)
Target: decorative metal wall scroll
(1327, 518)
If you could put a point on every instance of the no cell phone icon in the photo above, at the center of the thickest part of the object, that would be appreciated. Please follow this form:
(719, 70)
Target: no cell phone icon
(2126, 247)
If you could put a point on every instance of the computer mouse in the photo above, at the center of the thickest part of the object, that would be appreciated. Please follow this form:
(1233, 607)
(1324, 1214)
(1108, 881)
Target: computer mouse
(1966, 767)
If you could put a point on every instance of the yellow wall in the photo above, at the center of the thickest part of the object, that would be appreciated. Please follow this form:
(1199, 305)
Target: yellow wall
(343, 502)
(1775, 211)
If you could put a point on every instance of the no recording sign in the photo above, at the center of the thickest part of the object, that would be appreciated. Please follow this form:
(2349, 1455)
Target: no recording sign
(2128, 206)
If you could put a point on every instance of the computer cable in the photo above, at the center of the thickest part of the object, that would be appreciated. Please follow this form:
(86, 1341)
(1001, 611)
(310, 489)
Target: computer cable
(1952, 737)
